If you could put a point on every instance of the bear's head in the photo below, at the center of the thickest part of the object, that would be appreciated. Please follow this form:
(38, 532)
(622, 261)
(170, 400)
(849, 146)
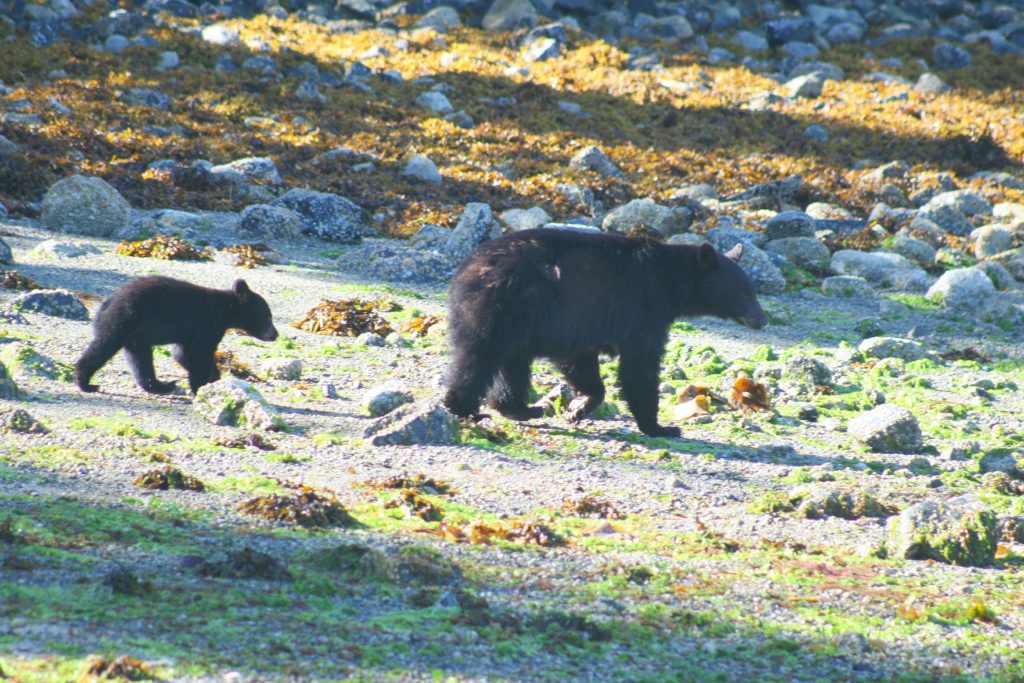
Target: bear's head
(725, 290)
(254, 317)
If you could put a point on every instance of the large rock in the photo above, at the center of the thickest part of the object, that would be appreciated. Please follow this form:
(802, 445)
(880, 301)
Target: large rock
(990, 240)
(8, 389)
(848, 286)
(266, 221)
(880, 267)
(435, 102)
(422, 423)
(892, 347)
(508, 15)
(647, 213)
(476, 226)
(887, 429)
(958, 531)
(23, 361)
(250, 169)
(806, 252)
(592, 158)
(963, 288)
(234, 402)
(58, 303)
(525, 219)
(328, 216)
(441, 19)
(84, 205)
(422, 169)
(789, 224)
(398, 263)
(756, 262)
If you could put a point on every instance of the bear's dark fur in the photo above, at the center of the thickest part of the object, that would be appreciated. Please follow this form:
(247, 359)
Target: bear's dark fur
(568, 295)
(159, 310)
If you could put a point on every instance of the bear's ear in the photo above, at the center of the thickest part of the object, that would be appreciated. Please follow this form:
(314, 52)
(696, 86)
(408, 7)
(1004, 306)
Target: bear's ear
(707, 257)
(240, 288)
(736, 253)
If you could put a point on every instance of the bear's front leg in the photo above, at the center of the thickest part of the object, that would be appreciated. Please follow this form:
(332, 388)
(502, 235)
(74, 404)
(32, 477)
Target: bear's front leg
(510, 389)
(639, 372)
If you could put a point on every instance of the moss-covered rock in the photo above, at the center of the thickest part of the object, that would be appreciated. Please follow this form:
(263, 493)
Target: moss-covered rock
(8, 389)
(24, 361)
(958, 531)
(818, 503)
(234, 402)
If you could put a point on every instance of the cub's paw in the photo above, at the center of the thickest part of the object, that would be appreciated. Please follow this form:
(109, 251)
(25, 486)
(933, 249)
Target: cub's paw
(89, 388)
(158, 387)
(522, 414)
(658, 430)
(578, 408)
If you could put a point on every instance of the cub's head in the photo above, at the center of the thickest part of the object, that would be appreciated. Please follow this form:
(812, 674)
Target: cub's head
(254, 313)
(725, 290)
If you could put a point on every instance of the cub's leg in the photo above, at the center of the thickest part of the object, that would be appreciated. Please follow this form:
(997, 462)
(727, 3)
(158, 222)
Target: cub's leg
(639, 373)
(198, 359)
(95, 356)
(510, 389)
(470, 375)
(140, 360)
(583, 374)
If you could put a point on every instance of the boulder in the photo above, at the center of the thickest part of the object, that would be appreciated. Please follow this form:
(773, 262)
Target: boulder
(236, 403)
(959, 531)
(963, 288)
(422, 423)
(592, 158)
(647, 213)
(267, 221)
(84, 205)
(888, 429)
(58, 303)
(328, 216)
(892, 347)
(421, 168)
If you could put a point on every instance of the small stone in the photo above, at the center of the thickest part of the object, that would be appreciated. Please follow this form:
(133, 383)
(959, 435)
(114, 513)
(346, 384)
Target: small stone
(421, 168)
(888, 429)
(251, 169)
(441, 19)
(282, 368)
(892, 347)
(807, 412)
(525, 219)
(435, 101)
(990, 240)
(508, 15)
(383, 399)
(948, 56)
(370, 339)
(805, 252)
(848, 286)
(542, 50)
(594, 159)
(930, 84)
(168, 60)
(646, 213)
(8, 389)
(218, 34)
(807, 86)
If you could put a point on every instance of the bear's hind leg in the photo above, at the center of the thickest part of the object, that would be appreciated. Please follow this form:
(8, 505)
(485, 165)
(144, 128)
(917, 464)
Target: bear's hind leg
(95, 356)
(584, 376)
(639, 372)
(510, 389)
(140, 360)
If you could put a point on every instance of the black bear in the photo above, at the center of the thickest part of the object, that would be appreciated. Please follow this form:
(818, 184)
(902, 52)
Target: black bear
(160, 310)
(568, 295)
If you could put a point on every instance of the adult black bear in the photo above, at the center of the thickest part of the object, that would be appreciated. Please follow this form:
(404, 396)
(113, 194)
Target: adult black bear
(568, 295)
(159, 310)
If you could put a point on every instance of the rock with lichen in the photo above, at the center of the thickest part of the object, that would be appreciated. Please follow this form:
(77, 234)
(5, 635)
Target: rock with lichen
(236, 403)
(960, 531)
(58, 303)
(84, 205)
(422, 423)
(888, 429)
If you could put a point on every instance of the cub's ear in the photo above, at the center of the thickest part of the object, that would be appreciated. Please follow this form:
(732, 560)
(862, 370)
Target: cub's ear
(240, 288)
(736, 253)
(707, 257)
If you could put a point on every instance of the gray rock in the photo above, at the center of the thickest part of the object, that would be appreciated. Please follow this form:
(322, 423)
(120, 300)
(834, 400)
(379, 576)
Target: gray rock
(789, 224)
(422, 423)
(250, 169)
(383, 399)
(990, 240)
(58, 303)
(23, 361)
(785, 30)
(931, 84)
(806, 371)
(282, 368)
(767, 277)
(592, 158)
(371, 339)
(880, 268)
(8, 389)
(398, 263)
(17, 420)
(6, 256)
(844, 32)
(848, 286)
(947, 56)
(7, 148)
(963, 288)
(116, 44)
(892, 347)
(218, 34)
(435, 101)
(146, 97)
(967, 202)
(1011, 463)
(476, 226)
(648, 213)
(508, 15)
(809, 85)
(817, 133)
(441, 19)
(959, 531)
(328, 216)
(542, 49)
(915, 250)
(781, 190)
(750, 41)
(266, 221)
(805, 252)
(168, 60)
(999, 274)
(888, 429)
(525, 219)
(63, 249)
(84, 205)
(308, 92)
(234, 402)
(422, 169)
(725, 237)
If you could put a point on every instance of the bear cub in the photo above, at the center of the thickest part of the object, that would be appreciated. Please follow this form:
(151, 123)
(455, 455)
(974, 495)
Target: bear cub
(151, 311)
(569, 295)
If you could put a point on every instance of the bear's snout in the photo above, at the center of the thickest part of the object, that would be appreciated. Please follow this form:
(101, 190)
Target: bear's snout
(270, 334)
(755, 321)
